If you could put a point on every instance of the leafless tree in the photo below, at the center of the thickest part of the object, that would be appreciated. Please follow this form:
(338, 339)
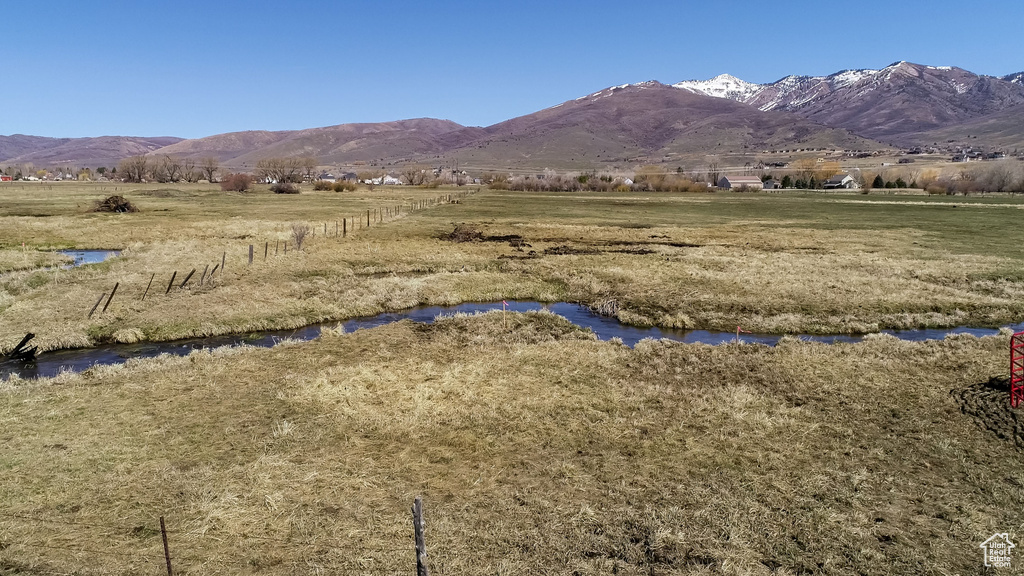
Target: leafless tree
(414, 174)
(170, 169)
(280, 169)
(309, 164)
(133, 169)
(208, 167)
(714, 172)
(188, 170)
(299, 232)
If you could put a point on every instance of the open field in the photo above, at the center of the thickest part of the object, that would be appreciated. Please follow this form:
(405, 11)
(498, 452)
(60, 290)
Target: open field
(537, 448)
(781, 263)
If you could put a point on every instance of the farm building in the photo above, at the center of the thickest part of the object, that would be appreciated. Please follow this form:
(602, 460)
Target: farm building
(5, 178)
(772, 185)
(840, 181)
(327, 177)
(733, 182)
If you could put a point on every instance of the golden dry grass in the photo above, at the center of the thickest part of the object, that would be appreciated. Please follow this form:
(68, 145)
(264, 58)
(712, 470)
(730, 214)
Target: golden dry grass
(537, 450)
(769, 262)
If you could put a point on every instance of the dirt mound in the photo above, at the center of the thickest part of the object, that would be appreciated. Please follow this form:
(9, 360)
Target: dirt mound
(988, 404)
(114, 204)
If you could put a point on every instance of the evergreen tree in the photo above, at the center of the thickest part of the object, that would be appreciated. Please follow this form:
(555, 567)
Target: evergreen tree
(878, 182)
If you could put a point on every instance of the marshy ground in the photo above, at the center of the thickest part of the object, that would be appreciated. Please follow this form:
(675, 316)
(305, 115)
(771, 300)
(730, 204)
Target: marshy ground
(537, 448)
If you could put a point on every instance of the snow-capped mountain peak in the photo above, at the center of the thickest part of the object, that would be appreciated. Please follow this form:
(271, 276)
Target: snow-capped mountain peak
(721, 86)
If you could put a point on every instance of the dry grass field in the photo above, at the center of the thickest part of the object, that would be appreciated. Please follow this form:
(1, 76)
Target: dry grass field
(537, 448)
(772, 263)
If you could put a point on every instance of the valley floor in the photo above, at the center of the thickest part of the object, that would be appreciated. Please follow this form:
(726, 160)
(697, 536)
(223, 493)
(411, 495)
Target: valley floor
(536, 447)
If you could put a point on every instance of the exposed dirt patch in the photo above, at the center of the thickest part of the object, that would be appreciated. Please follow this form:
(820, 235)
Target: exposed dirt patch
(465, 233)
(564, 249)
(988, 404)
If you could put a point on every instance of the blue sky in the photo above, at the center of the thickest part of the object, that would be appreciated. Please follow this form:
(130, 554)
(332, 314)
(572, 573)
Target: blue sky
(192, 69)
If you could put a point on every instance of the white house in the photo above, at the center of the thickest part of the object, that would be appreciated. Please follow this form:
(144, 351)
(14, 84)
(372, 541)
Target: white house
(840, 181)
(734, 182)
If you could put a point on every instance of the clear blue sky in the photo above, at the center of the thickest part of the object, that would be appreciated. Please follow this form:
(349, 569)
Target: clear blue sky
(188, 68)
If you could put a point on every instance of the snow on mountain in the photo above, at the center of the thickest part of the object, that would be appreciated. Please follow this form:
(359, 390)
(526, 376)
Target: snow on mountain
(1017, 78)
(721, 86)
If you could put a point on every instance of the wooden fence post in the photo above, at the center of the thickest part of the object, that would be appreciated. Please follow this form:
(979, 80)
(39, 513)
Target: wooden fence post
(367, 218)
(250, 254)
(203, 277)
(185, 281)
(222, 258)
(421, 542)
(167, 550)
(171, 283)
(266, 248)
(148, 286)
(112, 292)
(344, 227)
(96, 305)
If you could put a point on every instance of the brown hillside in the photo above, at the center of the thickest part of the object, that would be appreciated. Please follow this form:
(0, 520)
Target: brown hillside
(644, 123)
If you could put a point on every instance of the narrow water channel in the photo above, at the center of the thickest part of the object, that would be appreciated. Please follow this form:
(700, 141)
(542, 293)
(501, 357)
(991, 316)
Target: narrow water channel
(50, 364)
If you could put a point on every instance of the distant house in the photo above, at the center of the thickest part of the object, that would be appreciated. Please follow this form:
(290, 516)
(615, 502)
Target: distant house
(390, 180)
(327, 177)
(5, 178)
(772, 185)
(840, 181)
(734, 182)
(350, 176)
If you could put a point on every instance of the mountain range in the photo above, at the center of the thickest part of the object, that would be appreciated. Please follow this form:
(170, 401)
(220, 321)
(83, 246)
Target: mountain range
(903, 104)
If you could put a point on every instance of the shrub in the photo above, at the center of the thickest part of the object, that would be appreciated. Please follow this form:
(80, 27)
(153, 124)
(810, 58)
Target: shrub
(323, 185)
(114, 204)
(299, 231)
(236, 183)
(344, 186)
(284, 188)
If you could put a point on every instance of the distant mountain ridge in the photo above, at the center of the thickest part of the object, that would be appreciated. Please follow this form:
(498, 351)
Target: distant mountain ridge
(900, 99)
(648, 122)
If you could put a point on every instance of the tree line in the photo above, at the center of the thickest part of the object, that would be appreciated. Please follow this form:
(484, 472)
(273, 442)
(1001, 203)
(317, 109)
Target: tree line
(168, 169)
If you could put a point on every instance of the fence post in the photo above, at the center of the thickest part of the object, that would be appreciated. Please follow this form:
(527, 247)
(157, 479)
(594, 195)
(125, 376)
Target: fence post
(367, 218)
(203, 277)
(344, 227)
(421, 542)
(116, 284)
(250, 254)
(187, 278)
(97, 305)
(171, 283)
(167, 550)
(222, 257)
(148, 286)
(266, 248)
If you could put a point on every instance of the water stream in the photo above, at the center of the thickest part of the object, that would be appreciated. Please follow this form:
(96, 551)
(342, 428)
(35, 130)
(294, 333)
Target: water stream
(50, 364)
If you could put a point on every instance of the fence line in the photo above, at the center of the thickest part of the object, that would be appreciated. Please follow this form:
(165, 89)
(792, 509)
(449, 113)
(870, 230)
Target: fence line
(378, 215)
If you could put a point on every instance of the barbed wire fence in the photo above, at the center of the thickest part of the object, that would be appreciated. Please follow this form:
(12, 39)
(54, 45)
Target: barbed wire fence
(66, 557)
